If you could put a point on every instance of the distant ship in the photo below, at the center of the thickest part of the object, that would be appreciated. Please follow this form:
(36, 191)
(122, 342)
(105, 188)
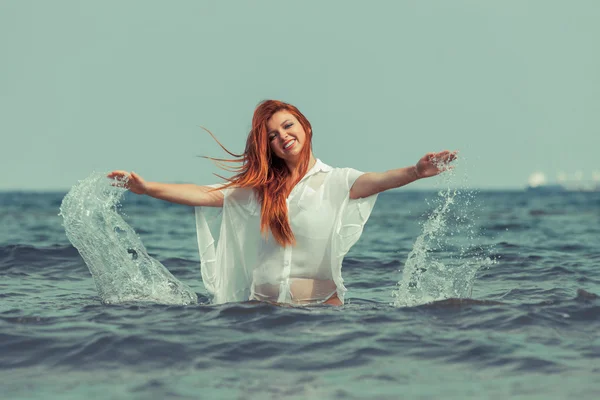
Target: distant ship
(538, 182)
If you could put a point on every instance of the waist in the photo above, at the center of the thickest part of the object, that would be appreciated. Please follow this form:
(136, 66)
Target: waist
(299, 291)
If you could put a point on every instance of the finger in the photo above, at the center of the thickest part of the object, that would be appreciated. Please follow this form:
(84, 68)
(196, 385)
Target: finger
(442, 155)
(448, 155)
(120, 179)
(119, 183)
(117, 174)
(452, 157)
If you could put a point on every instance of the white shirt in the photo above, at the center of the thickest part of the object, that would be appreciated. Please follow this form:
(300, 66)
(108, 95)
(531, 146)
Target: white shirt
(326, 223)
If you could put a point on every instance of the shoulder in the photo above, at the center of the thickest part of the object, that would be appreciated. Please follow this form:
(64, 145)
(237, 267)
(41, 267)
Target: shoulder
(336, 171)
(244, 199)
(345, 176)
(236, 192)
(340, 178)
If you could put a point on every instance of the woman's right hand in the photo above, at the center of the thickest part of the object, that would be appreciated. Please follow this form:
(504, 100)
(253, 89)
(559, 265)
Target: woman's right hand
(131, 181)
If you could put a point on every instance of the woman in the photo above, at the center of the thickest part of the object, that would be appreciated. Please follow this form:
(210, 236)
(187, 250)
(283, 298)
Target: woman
(288, 218)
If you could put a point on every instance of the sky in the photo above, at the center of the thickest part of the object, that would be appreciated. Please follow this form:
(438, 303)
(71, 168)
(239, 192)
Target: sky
(88, 86)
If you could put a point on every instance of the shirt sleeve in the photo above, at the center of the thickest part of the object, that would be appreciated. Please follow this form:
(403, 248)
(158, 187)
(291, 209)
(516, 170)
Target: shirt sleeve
(352, 176)
(207, 228)
(226, 192)
(228, 245)
(206, 249)
(353, 214)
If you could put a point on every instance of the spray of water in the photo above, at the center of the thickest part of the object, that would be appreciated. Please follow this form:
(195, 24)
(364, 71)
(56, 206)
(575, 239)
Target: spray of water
(445, 258)
(118, 261)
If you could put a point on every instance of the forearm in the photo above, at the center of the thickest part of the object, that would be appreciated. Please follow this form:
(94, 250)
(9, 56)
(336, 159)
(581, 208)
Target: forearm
(376, 182)
(187, 194)
(429, 165)
(396, 178)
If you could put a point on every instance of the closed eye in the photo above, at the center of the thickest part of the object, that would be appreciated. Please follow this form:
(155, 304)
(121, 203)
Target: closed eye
(288, 126)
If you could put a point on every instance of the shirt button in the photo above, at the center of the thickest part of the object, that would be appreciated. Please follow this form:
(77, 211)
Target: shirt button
(286, 263)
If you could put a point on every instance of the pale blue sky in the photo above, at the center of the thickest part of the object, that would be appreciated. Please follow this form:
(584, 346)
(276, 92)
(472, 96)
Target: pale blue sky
(100, 85)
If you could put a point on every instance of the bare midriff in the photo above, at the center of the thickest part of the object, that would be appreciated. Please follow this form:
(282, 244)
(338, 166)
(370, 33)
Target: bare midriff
(302, 291)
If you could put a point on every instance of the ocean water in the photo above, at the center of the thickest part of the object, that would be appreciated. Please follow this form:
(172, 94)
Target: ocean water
(452, 294)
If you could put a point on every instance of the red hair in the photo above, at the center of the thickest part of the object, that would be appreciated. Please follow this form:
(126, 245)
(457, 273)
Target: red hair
(265, 173)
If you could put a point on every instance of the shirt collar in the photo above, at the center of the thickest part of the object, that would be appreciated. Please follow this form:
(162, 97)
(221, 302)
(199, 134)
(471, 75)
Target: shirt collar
(318, 167)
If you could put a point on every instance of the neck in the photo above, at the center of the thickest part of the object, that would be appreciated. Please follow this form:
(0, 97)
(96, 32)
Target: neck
(294, 165)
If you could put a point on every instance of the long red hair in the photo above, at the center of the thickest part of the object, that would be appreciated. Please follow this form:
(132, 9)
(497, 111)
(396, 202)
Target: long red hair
(265, 173)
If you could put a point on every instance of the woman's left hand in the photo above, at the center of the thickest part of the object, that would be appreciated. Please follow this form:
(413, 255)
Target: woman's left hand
(432, 164)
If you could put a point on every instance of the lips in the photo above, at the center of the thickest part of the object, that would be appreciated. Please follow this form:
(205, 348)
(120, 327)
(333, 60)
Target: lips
(289, 144)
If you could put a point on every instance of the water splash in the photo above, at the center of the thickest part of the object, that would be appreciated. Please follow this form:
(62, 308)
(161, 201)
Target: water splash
(118, 261)
(445, 258)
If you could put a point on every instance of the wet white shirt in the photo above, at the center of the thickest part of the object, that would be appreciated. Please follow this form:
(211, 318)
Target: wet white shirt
(244, 265)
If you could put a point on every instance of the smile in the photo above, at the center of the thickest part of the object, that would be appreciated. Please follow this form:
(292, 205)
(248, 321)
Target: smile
(288, 145)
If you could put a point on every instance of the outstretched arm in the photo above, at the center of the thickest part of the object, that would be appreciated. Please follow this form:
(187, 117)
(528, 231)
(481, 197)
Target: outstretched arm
(429, 165)
(188, 194)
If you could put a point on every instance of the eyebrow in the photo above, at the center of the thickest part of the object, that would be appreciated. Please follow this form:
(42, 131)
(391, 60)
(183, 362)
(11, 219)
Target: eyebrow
(282, 124)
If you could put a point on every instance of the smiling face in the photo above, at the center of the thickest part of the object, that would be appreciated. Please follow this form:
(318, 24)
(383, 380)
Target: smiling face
(286, 136)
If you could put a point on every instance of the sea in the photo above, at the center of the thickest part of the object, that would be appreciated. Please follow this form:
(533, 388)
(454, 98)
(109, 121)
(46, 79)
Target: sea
(453, 293)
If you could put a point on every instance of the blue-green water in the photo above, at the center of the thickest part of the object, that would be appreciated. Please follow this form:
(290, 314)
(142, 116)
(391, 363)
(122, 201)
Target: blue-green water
(527, 262)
